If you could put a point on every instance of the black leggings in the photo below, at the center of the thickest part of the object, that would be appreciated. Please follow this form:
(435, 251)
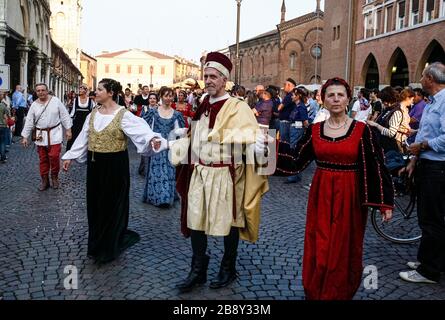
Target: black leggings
(199, 243)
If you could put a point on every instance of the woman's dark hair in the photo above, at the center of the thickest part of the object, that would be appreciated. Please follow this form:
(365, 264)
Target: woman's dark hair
(336, 82)
(388, 95)
(239, 90)
(112, 86)
(419, 92)
(153, 94)
(165, 90)
(274, 90)
(300, 92)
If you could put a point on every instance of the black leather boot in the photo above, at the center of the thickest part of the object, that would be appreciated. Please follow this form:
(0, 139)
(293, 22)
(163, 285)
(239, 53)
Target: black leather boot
(197, 275)
(227, 273)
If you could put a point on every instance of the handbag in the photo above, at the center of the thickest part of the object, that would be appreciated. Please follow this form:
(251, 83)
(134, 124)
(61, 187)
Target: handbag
(34, 128)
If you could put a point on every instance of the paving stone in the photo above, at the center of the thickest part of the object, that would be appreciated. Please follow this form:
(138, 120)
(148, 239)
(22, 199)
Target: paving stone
(44, 232)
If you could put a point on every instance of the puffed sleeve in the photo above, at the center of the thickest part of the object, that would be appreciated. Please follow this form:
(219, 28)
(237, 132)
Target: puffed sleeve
(140, 133)
(292, 161)
(376, 185)
(79, 150)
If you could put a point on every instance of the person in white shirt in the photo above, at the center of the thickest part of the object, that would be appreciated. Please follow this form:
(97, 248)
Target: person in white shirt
(102, 143)
(48, 115)
(362, 109)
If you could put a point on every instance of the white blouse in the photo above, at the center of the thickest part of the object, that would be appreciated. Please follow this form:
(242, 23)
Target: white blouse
(134, 128)
(55, 115)
(82, 105)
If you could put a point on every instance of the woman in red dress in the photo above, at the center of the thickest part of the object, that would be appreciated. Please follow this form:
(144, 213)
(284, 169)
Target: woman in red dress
(350, 177)
(185, 108)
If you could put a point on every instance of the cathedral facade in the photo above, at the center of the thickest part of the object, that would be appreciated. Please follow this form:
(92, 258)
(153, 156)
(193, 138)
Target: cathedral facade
(293, 50)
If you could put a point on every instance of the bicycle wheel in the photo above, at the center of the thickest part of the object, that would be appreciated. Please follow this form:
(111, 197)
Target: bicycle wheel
(403, 228)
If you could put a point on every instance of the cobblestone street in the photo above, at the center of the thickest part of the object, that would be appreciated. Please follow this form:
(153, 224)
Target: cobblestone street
(42, 233)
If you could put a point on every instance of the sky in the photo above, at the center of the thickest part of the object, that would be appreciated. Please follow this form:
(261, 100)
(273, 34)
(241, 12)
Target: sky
(179, 27)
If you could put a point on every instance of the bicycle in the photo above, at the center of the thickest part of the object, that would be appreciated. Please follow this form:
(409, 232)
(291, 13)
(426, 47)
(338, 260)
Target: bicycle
(403, 228)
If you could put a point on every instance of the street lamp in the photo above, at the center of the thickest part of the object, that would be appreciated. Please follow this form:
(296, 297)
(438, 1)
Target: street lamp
(237, 63)
(151, 77)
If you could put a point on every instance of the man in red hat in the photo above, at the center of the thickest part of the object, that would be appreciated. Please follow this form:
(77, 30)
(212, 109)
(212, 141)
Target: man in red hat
(220, 195)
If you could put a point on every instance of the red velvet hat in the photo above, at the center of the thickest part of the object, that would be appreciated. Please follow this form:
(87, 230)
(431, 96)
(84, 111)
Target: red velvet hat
(219, 62)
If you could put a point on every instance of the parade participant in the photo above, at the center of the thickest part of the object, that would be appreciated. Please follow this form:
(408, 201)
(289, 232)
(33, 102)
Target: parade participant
(128, 98)
(285, 109)
(160, 183)
(429, 151)
(393, 124)
(47, 116)
(82, 107)
(220, 197)
(102, 143)
(263, 109)
(300, 121)
(185, 108)
(350, 177)
(153, 101)
(141, 100)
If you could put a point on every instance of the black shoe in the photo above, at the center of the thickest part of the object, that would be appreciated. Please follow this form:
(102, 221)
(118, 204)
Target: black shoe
(223, 279)
(197, 275)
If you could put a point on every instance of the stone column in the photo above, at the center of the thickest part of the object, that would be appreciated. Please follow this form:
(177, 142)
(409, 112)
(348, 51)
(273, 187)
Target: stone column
(2, 48)
(48, 71)
(3, 31)
(39, 60)
(57, 88)
(23, 52)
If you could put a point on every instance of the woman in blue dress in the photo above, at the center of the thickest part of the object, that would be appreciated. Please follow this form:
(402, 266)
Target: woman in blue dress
(160, 183)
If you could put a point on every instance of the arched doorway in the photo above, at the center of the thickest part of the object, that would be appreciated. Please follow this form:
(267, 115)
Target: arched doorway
(372, 77)
(399, 70)
(433, 53)
(437, 54)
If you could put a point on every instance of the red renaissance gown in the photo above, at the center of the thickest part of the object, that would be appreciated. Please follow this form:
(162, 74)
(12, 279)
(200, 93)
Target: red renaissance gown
(350, 177)
(188, 113)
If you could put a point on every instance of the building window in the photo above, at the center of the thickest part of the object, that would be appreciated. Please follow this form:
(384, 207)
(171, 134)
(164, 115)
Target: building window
(429, 10)
(370, 25)
(107, 68)
(442, 11)
(400, 15)
(293, 61)
(379, 22)
(414, 12)
(388, 20)
(129, 69)
(118, 68)
(163, 70)
(336, 34)
(141, 68)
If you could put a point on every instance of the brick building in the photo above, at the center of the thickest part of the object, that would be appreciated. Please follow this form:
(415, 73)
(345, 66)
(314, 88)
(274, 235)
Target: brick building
(293, 49)
(374, 43)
